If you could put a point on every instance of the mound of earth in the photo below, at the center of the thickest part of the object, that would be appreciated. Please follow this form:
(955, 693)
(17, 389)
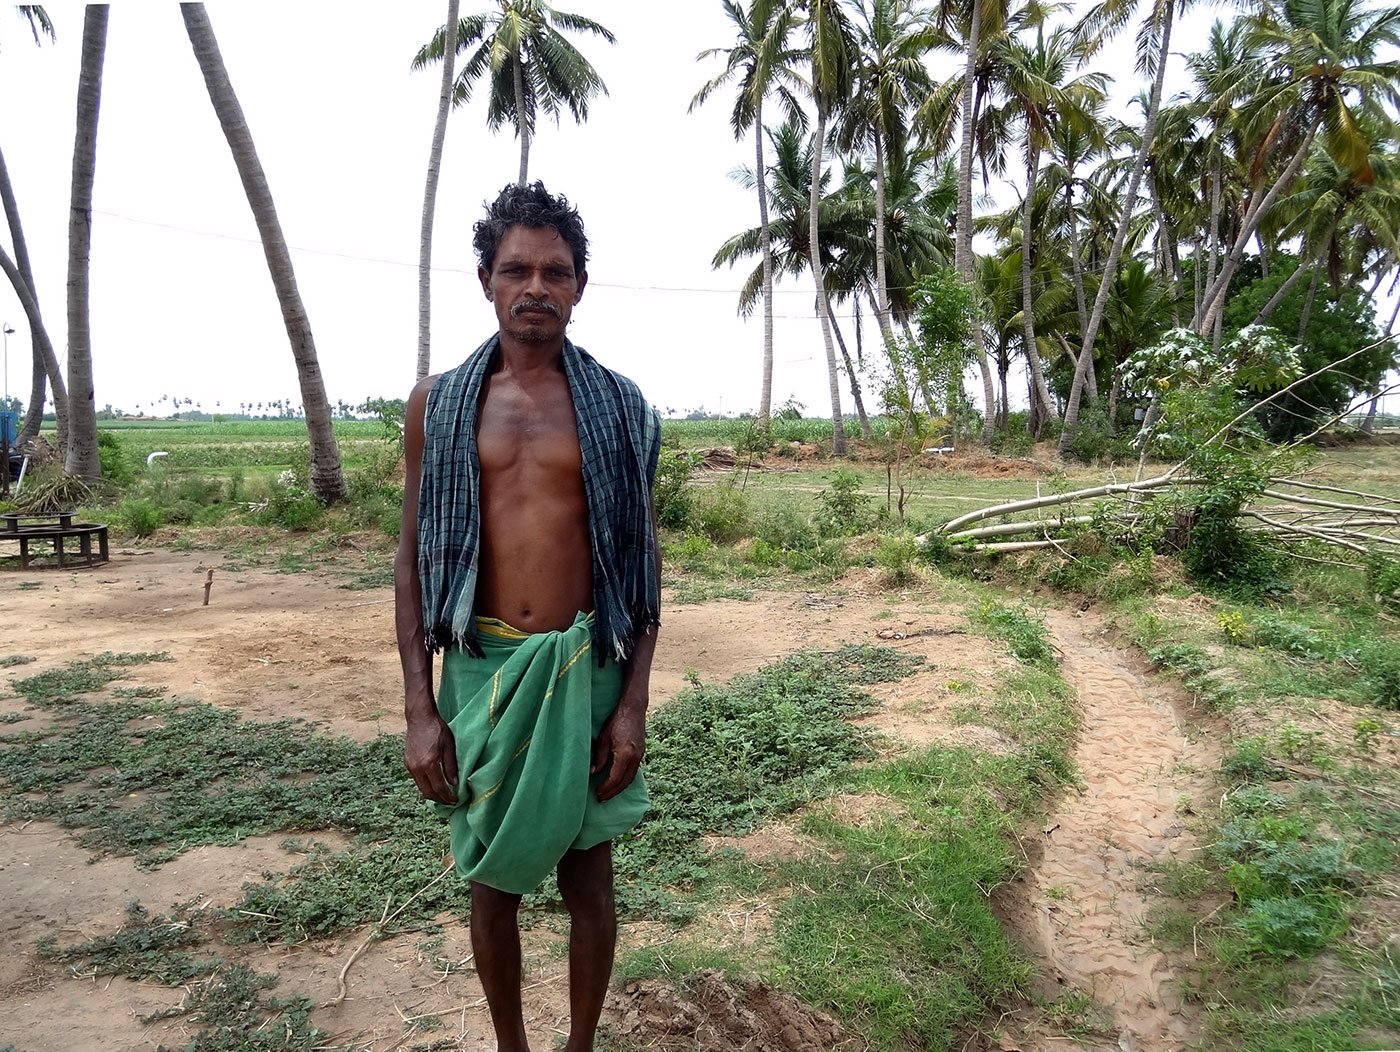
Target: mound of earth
(711, 1013)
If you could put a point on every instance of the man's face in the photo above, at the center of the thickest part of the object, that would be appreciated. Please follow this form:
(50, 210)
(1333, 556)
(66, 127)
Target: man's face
(533, 284)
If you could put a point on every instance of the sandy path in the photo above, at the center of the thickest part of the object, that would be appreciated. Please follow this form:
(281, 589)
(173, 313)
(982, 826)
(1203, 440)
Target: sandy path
(1082, 900)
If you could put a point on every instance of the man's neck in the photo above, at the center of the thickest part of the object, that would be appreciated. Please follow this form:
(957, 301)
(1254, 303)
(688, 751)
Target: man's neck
(519, 357)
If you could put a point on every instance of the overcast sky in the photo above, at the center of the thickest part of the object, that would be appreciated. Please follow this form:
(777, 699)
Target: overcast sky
(181, 301)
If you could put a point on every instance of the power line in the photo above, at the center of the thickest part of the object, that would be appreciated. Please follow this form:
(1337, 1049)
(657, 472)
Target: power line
(356, 257)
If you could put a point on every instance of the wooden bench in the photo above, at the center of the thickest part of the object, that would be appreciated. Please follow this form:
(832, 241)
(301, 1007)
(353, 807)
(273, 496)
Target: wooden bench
(55, 530)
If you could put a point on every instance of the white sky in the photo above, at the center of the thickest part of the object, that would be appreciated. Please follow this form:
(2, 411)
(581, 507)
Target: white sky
(181, 301)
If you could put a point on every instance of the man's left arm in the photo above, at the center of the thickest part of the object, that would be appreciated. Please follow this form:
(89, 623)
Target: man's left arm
(623, 738)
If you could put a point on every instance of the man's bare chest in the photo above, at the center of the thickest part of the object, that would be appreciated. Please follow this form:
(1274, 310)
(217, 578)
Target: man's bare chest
(519, 427)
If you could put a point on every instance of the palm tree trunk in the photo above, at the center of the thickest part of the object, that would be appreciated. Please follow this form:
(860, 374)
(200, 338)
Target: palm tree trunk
(882, 294)
(1110, 270)
(1268, 309)
(1039, 389)
(425, 239)
(522, 124)
(44, 352)
(1214, 231)
(964, 260)
(851, 374)
(765, 406)
(327, 479)
(82, 459)
(47, 371)
(1368, 424)
(838, 431)
(1215, 295)
(1076, 260)
(1306, 315)
(1164, 258)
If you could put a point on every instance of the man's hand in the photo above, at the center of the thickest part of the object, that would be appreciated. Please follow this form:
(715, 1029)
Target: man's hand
(430, 754)
(620, 747)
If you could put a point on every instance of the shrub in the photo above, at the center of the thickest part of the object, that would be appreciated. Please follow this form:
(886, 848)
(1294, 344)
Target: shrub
(895, 555)
(291, 505)
(672, 495)
(1291, 927)
(111, 455)
(785, 528)
(845, 510)
(1383, 577)
(140, 518)
(722, 514)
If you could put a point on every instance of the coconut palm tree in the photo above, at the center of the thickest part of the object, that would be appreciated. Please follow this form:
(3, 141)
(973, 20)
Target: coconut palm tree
(831, 55)
(1041, 93)
(763, 62)
(532, 65)
(81, 459)
(1323, 74)
(1154, 44)
(891, 39)
(425, 237)
(327, 479)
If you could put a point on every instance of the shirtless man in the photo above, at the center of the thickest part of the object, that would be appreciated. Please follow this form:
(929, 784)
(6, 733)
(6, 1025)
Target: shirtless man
(528, 556)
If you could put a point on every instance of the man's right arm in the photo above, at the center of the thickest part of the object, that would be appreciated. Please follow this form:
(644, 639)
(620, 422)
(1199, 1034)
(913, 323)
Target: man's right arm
(430, 754)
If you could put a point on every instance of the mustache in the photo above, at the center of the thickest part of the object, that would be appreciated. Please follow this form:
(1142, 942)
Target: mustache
(533, 304)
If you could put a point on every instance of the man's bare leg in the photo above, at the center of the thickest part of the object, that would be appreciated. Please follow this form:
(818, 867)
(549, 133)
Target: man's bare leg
(496, 949)
(586, 882)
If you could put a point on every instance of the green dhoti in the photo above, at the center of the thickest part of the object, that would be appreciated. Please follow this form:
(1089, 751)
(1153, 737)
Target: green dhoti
(525, 718)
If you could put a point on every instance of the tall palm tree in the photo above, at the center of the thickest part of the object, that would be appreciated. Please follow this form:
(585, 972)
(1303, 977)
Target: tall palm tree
(532, 65)
(1042, 94)
(81, 459)
(891, 39)
(1154, 44)
(965, 261)
(831, 56)
(47, 372)
(762, 61)
(327, 479)
(1324, 73)
(842, 232)
(425, 238)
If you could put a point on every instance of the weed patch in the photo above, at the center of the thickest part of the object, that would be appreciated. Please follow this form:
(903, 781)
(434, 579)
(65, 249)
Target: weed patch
(81, 677)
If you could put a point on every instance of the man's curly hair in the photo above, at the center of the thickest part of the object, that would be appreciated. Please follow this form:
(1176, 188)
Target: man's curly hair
(532, 206)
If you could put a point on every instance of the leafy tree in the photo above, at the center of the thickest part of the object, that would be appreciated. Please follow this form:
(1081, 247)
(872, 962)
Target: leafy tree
(1337, 326)
(532, 67)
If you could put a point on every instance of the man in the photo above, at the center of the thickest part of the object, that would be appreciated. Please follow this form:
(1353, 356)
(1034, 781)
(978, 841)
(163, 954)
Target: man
(528, 556)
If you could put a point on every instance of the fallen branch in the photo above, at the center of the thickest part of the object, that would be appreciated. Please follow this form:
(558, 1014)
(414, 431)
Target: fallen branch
(376, 933)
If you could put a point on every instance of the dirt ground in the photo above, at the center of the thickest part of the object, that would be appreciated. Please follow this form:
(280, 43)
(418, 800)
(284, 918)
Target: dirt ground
(272, 645)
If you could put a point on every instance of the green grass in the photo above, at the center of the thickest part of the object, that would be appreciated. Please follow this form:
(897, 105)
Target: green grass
(1308, 828)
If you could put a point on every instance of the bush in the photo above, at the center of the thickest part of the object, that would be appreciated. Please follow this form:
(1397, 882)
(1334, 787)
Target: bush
(291, 505)
(845, 510)
(116, 465)
(895, 555)
(785, 528)
(672, 495)
(722, 514)
(140, 518)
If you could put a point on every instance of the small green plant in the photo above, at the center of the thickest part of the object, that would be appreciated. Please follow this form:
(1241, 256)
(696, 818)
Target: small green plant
(845, 510)
(896, 555)
(291, 505)
(140, 518)
(1234, 626)
(1291, 927)
(722, 514)
(1368, 733)
(1294, 742)
(672, 494)
(1026, 636)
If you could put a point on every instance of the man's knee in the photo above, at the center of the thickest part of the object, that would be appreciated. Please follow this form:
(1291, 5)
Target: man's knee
(493, 903)
(586, 881)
